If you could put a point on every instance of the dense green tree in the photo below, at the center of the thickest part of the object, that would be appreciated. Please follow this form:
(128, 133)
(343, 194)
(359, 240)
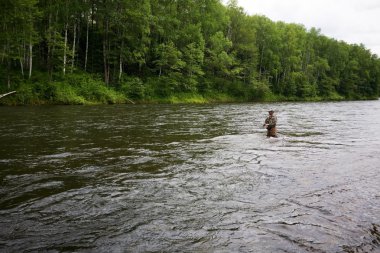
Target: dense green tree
(242, 34)
(218, 59)
(146, 48)
(17, 36)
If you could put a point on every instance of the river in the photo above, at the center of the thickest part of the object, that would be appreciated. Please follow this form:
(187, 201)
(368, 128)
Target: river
(190, 178)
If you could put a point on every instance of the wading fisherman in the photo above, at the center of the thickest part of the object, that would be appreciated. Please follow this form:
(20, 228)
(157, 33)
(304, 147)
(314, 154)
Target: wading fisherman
(270, 124)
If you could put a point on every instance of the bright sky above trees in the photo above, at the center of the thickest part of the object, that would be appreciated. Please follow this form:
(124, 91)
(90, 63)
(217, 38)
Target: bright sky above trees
(354, 21)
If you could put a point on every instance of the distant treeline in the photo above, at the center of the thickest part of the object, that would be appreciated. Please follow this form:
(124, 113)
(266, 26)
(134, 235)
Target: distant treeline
(109, 51)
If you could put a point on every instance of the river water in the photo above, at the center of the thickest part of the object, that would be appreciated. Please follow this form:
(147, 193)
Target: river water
(190, 178)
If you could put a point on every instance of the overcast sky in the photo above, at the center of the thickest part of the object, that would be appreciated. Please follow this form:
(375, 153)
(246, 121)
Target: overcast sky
(354, 21)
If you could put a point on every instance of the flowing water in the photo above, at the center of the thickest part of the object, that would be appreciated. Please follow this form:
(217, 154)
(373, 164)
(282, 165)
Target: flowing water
(190, 178)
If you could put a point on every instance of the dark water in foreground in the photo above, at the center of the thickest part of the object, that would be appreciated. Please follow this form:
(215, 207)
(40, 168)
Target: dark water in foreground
(192, 178)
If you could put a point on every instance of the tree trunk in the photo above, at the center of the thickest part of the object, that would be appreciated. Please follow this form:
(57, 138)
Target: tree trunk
(106, 78)
(52, 49)
(24, 54)
(20, 58)
(121, 61)
(6, 94)
(2, 55)
(64, 51)
(86, 56)
(229, 32)
(9, 74)
(22, 67)
(108, 55)
(105, 55)
(261, 60)
(30, 59)
(74, 40)
(48, 57)
(120, 68)
(277, 79)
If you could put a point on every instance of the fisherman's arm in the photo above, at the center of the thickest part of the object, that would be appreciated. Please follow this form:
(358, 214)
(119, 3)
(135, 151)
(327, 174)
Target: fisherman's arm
(266, 122)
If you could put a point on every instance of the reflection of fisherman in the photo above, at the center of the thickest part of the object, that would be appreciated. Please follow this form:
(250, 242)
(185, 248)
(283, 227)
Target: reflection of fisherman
(270, 124)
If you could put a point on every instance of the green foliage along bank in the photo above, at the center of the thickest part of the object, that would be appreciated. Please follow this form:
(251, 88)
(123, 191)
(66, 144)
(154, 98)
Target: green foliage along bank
(84, 52)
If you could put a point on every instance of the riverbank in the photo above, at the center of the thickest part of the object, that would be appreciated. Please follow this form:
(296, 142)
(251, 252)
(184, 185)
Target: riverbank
(113, 97)
(83, 89)
(110, 96)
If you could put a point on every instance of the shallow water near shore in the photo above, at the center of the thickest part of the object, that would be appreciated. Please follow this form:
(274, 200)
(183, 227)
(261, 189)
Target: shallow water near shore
(192, 178)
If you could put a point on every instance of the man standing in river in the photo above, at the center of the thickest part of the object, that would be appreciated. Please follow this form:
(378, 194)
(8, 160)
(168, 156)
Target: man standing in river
(270, 124)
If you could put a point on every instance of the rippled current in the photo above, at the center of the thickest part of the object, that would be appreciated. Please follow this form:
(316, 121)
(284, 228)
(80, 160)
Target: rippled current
(190, 178)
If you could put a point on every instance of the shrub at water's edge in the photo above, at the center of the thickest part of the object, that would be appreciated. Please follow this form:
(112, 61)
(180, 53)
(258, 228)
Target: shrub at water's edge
(76, 89)
(85, 89)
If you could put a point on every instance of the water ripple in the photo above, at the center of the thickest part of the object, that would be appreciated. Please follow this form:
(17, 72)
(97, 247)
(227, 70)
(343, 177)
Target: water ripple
(192, 178)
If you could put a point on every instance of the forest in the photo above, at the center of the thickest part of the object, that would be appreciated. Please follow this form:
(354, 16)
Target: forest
(171, 51)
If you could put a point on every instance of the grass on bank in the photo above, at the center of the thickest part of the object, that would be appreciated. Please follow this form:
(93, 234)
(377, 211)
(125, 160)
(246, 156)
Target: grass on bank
(73, 90)
(85, 89)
